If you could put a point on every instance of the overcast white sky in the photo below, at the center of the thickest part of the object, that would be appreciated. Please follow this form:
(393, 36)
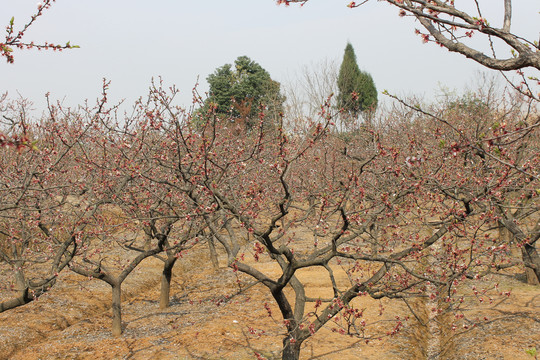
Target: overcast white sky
(129, 42)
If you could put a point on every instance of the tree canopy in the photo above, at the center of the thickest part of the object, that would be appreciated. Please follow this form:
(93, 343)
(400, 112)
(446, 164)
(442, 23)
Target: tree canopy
(244, 90)
(357, 91)
(452, 26)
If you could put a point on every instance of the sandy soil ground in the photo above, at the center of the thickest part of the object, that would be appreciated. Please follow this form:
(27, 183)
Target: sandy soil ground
(205, 322)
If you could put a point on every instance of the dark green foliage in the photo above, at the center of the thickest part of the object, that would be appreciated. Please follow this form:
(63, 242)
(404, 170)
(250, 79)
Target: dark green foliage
(243, 91)
(357, 91)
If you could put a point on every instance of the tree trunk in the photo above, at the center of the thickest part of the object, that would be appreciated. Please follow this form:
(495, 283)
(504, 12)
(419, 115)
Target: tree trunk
(117, 309)
(213, 252)
(22, 299)
(531, 257)
(506, 237)
(166, 276)
(292, 342)
(529, 254)
(20, 280)
(23, 294)
(291, 350)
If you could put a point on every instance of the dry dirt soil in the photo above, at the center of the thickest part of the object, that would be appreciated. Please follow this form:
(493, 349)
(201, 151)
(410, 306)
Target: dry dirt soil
(204, 322)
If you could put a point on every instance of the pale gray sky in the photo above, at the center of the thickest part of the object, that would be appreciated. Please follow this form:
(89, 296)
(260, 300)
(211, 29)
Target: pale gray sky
(129, 42)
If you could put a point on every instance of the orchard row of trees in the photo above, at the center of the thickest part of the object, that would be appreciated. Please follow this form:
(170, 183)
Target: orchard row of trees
(412, 205)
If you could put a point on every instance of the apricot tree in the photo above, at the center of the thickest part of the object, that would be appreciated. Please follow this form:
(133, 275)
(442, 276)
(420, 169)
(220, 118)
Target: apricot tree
(316, 201)
(139, 215)
(44, 215)
(14, 37)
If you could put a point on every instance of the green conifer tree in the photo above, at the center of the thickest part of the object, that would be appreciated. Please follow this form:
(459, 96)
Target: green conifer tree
(243, 89)
(357, 91)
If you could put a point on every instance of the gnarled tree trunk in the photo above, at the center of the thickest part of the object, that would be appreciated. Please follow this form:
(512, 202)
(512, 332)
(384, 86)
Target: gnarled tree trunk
(291, 349)
(213, 252)
(529, 253)
(116, 308)
(532, 264)
(166, 276)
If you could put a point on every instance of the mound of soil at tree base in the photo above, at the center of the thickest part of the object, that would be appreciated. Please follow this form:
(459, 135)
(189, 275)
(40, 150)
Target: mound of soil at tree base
(207, 321)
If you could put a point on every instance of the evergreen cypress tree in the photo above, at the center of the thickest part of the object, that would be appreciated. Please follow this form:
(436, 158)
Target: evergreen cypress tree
(242, 89)
(357, 91)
